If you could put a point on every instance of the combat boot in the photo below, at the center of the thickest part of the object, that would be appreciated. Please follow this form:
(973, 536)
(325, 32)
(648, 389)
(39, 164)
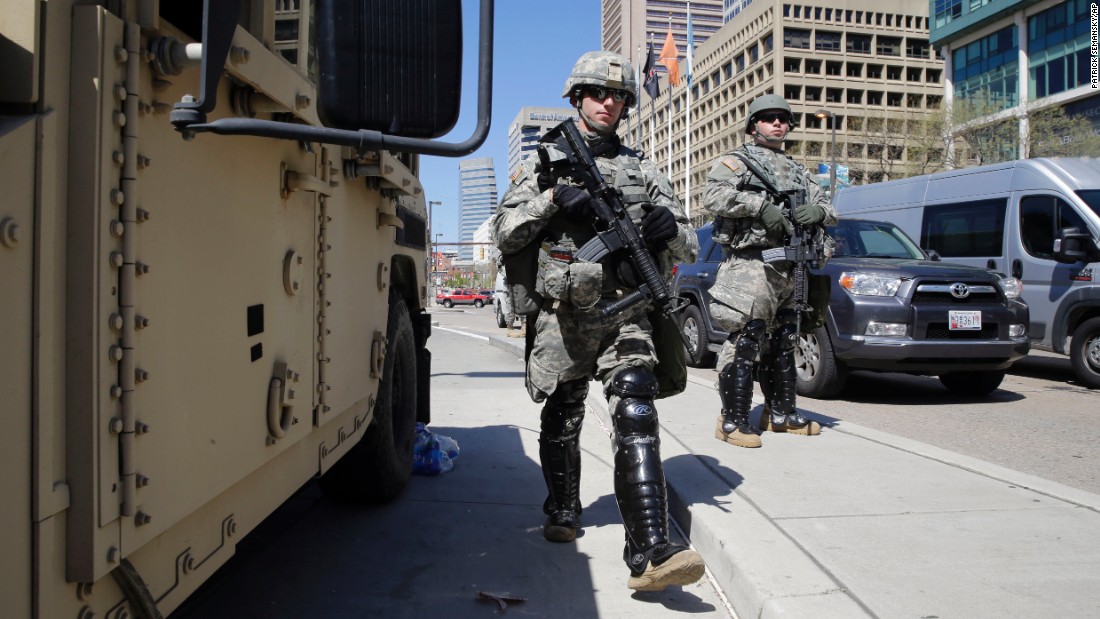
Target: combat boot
(679, 565)
(735, 390)
(777, 381)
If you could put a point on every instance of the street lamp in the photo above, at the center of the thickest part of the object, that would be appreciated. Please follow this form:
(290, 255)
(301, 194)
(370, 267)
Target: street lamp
(823, 113)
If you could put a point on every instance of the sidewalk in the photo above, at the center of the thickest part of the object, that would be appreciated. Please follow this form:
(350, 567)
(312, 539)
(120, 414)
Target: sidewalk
(860, 523)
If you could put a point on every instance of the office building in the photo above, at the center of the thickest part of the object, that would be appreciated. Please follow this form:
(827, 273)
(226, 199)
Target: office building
(528, 126)
(1018, 54)
(477, 199)
(866, 62)
(627, 26)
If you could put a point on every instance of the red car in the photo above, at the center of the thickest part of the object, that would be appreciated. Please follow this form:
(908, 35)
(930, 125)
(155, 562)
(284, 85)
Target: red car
(461, 296)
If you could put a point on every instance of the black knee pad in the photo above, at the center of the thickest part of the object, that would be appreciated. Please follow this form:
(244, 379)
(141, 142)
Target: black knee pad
(635, 415)
(786, 336)
(746, 343)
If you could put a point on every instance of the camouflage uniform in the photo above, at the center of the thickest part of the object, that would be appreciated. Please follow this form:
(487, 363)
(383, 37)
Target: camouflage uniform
(747, 291)
(573, 343)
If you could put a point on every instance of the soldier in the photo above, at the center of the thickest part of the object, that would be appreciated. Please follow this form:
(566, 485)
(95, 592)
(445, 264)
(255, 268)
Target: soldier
(573, 343)
(751, 298)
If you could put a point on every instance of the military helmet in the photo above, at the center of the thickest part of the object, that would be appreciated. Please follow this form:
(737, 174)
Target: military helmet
(768, 102)
(606, 69)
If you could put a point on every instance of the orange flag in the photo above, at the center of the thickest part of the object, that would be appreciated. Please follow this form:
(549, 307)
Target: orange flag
(670, 58)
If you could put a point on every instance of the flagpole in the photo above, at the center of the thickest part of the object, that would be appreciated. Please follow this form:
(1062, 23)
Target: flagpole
(652, 107)
(637, 139)
(687, 132)
(669, 153)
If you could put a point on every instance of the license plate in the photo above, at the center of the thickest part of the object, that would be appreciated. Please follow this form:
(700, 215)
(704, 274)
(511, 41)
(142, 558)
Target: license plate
(959, 320)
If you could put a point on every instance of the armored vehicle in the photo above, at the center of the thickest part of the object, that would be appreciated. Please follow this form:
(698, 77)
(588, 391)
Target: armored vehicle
(213, 258)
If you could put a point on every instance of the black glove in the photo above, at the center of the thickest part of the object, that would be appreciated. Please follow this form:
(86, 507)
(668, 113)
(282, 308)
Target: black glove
(573, 202)
(809, 214)
(658, 227)
(774, 221)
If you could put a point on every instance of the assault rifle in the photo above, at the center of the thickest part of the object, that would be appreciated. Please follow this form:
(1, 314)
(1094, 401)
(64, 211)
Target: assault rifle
(619, 231)
(800, 248)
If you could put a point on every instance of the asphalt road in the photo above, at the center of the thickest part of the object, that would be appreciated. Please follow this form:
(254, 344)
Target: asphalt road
(1040, 421)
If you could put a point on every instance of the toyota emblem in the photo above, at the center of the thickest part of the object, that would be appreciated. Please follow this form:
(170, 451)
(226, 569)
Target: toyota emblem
(960, 290)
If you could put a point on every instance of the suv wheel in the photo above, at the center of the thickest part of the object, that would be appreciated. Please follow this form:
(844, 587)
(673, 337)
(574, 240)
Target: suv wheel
(479, 303)
(692, 325)
(972, 383)
(448, 303)
(1084, 352)
(819, 373)
(501, 320)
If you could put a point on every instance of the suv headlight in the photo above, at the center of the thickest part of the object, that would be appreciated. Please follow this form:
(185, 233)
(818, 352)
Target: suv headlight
(1012, 286)
(870, 284)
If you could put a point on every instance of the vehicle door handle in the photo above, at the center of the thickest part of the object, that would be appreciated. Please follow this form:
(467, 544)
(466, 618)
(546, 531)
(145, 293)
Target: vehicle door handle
(1017, 269)
(992, 264)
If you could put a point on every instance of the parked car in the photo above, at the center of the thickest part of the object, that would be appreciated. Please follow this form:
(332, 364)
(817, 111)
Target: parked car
(502, 301)
(891, 308)
(1036, 219)
(461, 296)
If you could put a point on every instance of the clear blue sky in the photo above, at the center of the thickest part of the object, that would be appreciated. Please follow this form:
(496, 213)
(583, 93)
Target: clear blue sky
(535, 46)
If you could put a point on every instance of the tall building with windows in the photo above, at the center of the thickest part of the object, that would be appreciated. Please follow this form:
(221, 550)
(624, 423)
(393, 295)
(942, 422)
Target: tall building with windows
(477, 199)
(629, 25)
(528, 126)
(867, 62)
(1018, 54)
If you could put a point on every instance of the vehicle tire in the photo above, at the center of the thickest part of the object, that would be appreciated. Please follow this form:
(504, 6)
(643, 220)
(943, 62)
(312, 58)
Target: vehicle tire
(447, 303)
(377, 468)
(819, 373)
(972, 383)
(478, 303)
(502, 322)
(691, 323)
(1084, 352)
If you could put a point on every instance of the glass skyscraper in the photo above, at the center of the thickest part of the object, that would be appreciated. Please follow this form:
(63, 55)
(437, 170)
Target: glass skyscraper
(477, 199)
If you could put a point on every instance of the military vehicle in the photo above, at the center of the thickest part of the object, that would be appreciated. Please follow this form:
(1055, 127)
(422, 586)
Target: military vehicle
(213, 258)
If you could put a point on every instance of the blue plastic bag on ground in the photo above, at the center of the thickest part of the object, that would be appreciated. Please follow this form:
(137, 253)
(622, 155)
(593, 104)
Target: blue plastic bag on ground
(433, 454)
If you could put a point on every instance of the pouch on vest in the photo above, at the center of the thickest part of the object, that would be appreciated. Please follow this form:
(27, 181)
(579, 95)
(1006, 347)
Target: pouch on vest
(818, 298)
(553, 277)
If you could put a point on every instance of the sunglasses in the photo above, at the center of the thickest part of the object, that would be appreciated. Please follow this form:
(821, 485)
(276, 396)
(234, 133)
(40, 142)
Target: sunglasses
(601, 93)
(770, 117)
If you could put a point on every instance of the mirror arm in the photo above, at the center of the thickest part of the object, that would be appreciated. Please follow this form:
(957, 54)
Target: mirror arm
(364, 140)
(219, 22)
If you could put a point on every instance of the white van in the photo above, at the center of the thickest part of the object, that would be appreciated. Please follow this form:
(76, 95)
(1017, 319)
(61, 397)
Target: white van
(1035, 219)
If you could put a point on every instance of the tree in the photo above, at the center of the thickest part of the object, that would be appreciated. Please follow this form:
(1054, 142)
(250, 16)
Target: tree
(1053, 133)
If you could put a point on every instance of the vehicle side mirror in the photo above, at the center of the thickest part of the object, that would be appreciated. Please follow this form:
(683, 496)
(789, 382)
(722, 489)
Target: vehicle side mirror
(933, 255)
(390, 67)
(1074, 246)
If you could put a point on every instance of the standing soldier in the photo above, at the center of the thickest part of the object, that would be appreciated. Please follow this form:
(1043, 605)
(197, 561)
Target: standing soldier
(573, 343)
(753, 299)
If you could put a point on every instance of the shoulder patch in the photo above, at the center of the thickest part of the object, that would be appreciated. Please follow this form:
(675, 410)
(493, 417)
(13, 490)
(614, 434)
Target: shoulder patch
(515, 173)
(733, 163)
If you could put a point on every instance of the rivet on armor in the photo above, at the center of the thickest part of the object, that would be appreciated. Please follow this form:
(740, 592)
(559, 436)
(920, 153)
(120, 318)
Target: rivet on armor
(117, 229)
(121, 55)
(119, 119)
(115, 353)
(142, 215)
(141, 268)
(117, 197)
(239, 55)
(141, 518)
(140, 322)
(115, 322)
(120, 93)
(143, 162)
(116, 391)
(141, 481)
(118, 157)
(114, 426)
(141, 428)
(301, 102)
(141, 375)
(117, 260)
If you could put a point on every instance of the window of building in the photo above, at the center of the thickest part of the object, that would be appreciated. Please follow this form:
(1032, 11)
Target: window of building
(859, 43)
(855, 96)
(833, 67)
(874, 71)
(767, 43)
(754, 54)
(826, 41)
(813, 67)
(792, 93)
(854, 150)
(888, 46)
(893, 73)
(912, 74)
(813, 149)
(874, 97)
(727, 70)
(947, 10)
(933, 101)
(855, 123)
(916, 48)
(817, 13)
(855, 69)
(813, 93)
(828, 15)
(913, 101)
(798, 11)
(893, 99)
(834, 95)
(932, 76)
(796, 38)
(1058, 48)
(716, 79)
(792, 65)
(847, 17)
(988, 67)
